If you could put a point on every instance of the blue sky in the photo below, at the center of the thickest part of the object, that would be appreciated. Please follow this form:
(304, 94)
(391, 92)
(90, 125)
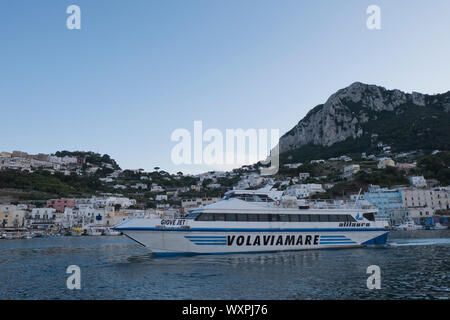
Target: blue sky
(138, 70)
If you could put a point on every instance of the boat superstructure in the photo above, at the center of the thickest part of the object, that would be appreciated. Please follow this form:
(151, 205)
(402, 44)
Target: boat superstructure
(248, 221)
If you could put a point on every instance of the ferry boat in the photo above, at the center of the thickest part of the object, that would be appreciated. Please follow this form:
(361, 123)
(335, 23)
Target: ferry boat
(249, 221)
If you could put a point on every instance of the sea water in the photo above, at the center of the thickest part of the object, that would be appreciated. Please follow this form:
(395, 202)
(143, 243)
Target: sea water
(415, 265)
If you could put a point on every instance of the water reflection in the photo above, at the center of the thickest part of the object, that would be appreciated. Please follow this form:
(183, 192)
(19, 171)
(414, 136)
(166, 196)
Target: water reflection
(413, 267)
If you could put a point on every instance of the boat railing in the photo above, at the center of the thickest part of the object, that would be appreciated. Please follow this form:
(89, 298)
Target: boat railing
(335, 204)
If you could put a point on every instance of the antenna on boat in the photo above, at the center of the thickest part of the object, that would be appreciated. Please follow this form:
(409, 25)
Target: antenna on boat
(357, 198)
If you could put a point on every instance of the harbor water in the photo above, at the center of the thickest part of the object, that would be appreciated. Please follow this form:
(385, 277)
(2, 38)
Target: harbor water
(415, 265)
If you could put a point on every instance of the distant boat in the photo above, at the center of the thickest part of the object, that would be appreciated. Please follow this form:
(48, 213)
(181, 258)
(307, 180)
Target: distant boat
(29, 235)
(408, 226)
(439, 226)
(13, 235)
(111, 232)
(76, 232)
(95, 231)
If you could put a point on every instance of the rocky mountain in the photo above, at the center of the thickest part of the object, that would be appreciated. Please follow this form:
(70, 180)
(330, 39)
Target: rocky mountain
(357, 118)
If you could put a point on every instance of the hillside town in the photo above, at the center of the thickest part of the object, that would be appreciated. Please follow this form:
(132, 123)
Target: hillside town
(390, 182)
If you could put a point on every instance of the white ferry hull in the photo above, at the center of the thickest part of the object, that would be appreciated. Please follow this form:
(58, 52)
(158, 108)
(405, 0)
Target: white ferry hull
(235, 226)
(226, 242)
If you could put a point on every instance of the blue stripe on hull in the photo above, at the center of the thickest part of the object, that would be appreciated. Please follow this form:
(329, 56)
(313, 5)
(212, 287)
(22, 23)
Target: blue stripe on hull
(211, 244)
(208, 240)
(209, 237)
(336, 242)
(332, 237)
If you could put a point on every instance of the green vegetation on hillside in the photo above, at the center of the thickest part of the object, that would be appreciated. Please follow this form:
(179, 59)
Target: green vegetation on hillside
(436, 167)
(43, 181)
(90, 157)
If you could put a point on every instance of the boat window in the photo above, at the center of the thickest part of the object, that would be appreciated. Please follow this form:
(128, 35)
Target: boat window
(265, 198)
(294, 217)
(252, 217)
(274, 217)
(284, 217)
(342, 218)
(230, 217)
(254, 198)
(193, 215)
(350, 218)
(314, 218)
(219, 216)
(242, 217)
(324, 218)
(334, 218)
(263, 217)
(369, 216)
(205, 217)
(305, 217)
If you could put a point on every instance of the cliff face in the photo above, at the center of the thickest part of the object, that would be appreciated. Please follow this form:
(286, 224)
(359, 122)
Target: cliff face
(345, 114)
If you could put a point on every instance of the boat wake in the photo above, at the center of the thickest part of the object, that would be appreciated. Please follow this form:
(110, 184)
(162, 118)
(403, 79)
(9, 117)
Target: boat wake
(418, 242)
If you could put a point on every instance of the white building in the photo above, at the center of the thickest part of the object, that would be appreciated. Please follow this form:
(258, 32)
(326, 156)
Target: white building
(142, 186)
(418, 181)
(424, 202)
(350, 171)
(304, 190)
(69, 160)
(86, 216)
(156, 188)
(345, 158)
(43, 213)
(97, 202)
(161, 197)
(44, 218)
(197, 202)
(293, 165)
(385, 162)
(303, 175)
